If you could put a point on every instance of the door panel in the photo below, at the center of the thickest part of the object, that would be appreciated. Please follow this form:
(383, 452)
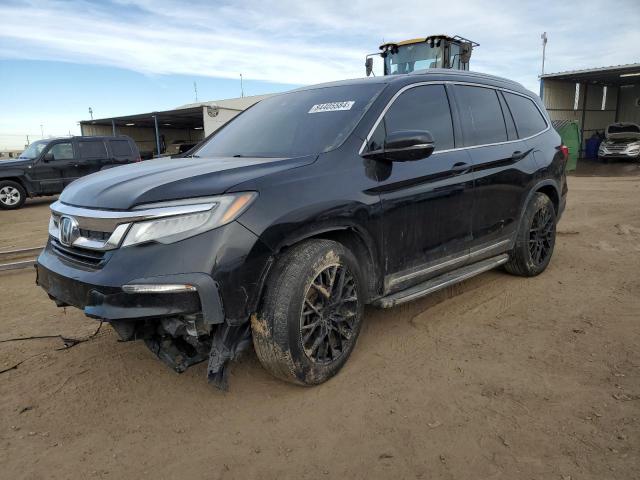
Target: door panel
(501, 166)
(92, 156)
(426, 203)
(426, 206)
(501, 174)
(53, 174)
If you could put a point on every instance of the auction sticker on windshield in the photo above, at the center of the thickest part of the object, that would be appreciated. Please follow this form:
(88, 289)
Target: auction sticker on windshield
(332, 107)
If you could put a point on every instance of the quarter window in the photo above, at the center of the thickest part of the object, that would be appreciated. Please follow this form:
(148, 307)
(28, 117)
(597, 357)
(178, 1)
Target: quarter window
(481, 115)
(92, 149)
(528, 118)
(62, 151)
(419, 108)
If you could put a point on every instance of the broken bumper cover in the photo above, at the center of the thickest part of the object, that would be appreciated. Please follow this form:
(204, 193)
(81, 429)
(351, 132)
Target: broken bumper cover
(112, 303)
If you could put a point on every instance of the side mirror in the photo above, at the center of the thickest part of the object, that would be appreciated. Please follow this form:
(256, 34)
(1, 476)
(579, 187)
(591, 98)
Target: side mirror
(404, 146)
(48, 157)
(368, 64)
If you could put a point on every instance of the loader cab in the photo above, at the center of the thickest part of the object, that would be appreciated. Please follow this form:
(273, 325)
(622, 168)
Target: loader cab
(436, 51)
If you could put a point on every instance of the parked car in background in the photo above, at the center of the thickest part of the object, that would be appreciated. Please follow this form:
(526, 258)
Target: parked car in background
(46, 167)
(622, 140)
(283, 224)
(179, 146)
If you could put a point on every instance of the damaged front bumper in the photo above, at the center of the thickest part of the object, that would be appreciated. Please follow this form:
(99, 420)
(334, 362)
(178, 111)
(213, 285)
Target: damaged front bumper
(181, 327)
(184, 318)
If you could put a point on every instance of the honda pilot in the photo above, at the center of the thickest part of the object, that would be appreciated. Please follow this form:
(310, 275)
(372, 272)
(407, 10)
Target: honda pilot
(283, 225)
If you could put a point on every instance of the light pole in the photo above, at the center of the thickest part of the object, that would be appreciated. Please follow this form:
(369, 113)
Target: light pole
(91, 112)
(41, 130)
(241, 87)
(543, 37)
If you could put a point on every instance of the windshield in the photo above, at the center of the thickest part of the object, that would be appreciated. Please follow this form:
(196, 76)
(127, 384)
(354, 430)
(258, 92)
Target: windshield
(34, 150)
(304, 122)
(417, 56)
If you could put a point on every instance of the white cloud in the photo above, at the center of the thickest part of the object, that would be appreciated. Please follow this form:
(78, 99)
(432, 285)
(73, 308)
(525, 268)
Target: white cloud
(310, 42)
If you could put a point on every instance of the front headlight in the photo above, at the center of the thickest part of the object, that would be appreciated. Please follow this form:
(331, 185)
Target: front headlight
(168, 229)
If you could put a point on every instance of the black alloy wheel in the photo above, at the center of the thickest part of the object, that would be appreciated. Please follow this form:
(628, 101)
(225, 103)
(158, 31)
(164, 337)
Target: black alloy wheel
(329, 314)
(541, 236)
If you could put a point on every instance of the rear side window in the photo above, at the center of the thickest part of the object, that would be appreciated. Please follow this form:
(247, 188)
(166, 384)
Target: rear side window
(92, 150)
(481, 115)
(419, 108)
(528, 118)
(120, 148)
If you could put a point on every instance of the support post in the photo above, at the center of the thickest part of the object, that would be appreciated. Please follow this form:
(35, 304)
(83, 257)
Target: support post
(584, 113)
(155, 119)
(113, 127)
(619, 94)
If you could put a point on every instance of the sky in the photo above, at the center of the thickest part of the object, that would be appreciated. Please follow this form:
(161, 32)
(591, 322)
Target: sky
(119, 57)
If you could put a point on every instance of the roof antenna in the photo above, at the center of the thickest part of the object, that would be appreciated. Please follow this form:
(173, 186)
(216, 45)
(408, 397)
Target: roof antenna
(195, 90)
(241, 87)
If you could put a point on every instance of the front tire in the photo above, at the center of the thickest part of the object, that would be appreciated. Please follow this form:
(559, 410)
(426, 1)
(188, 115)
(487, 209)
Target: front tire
(312, 312)
(12, 195)
(536, 238)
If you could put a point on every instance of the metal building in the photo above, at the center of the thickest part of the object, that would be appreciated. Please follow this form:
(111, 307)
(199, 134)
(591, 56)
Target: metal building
(156, 131)
(594, 98)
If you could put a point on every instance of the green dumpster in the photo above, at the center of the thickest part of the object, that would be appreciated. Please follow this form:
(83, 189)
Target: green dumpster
(570, 133)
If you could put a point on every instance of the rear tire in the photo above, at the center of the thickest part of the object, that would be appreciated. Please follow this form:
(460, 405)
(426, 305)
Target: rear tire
(12, 195)
(311, 314)
(536, 238)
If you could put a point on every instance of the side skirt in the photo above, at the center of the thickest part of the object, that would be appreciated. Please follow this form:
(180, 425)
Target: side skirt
(440, 282)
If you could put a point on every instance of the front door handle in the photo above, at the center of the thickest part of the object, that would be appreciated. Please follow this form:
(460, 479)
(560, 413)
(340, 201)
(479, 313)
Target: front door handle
(460, 168)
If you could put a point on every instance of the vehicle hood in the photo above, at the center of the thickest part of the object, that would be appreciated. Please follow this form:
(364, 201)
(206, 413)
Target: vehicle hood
(622, 140)
(625, 136)
(127, 186)
(15, 162)
(632, 131)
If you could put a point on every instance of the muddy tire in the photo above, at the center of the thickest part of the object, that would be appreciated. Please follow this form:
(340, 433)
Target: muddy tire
(536, 238)
(12, 195)
(311, 313)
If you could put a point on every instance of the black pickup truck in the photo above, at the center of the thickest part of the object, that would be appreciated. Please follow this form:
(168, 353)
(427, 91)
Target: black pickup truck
(47, 166)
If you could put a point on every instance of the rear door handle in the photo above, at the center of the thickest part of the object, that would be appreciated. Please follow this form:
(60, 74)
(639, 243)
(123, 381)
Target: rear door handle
(518, 155)
(460, 168)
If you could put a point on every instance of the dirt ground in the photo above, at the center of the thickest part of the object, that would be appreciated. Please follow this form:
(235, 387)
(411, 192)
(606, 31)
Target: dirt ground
(499, 377)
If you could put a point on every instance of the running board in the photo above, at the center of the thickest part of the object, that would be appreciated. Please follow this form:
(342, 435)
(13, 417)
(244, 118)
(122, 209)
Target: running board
(438, 283)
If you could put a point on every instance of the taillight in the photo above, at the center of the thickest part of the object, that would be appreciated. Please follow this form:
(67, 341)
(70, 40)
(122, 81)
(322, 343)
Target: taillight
(138, 159)
(565, 152)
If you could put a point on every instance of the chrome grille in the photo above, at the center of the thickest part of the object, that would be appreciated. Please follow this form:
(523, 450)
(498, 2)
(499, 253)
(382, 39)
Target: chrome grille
(616, 147)
(81, 255)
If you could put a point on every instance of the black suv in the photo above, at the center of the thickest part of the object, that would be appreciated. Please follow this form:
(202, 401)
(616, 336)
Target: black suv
(303, 209)
(47, 166)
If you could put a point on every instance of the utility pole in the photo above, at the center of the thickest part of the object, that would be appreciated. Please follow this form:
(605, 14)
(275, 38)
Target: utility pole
(241, 87)
(195, 89)
(543, 37)
(91, 112)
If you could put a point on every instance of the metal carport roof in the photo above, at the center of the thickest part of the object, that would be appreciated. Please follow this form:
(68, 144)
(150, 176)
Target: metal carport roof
(179, 118)
(613, 75)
